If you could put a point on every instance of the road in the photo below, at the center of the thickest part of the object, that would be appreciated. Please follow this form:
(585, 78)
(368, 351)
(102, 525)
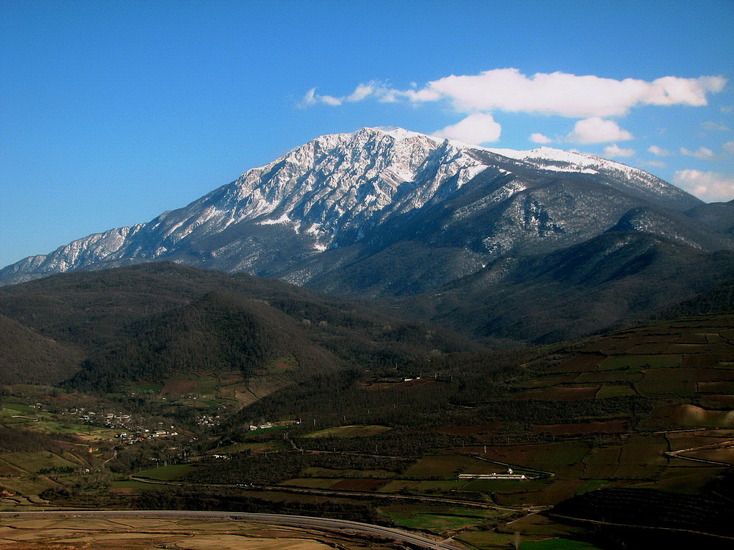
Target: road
(338, 525)
(721, 445)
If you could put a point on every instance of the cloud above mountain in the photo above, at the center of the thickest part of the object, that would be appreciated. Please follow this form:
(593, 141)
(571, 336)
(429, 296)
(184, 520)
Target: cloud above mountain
(589, 98)
(557, 93)
(564, 94)
(597, 130)
(615, 151)
(476, 128)
(710, 186)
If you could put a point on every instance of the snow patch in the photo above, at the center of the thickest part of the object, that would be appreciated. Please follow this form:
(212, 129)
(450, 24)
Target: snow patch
(284, 219)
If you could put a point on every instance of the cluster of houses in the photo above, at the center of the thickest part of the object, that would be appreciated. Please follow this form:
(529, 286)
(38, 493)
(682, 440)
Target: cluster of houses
(131, 438)
(134, 432)
(108, 420)
(208, 420)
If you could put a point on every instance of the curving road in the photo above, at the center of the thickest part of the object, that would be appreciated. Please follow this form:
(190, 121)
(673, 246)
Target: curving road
(338, 525)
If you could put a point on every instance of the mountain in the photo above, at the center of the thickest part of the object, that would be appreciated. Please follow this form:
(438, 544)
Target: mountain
(393, 214)
(370, 189)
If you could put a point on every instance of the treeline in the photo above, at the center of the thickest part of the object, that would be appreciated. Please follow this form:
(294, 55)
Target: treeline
(243, 468)
(396, 443)
(356, 396)
(719, 299)
(393, 454)
(350, 461)
(156, 321)
(27, 357)
(215, 333)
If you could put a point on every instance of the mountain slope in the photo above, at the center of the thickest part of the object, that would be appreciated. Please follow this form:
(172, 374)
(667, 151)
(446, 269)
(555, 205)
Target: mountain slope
(30, 358)
(610, 279)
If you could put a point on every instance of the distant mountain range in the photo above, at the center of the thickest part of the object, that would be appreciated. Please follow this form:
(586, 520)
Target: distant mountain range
(504, 245)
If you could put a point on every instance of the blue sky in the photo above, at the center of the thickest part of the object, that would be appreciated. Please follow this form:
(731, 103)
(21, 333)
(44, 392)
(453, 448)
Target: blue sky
(113, 112)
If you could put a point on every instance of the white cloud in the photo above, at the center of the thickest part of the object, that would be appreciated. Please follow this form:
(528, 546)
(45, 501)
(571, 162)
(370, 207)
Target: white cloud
(543, 93)
(658, 151)
(597, 130)
(540, 138)
(655, 163)
(708, 186)
(711, 126)
(360, 93)
(309, 98)
(475, 129)
(728, 147)
(614, 151)
(331, 100)
(702, 153)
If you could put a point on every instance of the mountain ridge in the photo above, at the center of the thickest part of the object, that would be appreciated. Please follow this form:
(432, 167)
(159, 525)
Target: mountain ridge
(327, 193)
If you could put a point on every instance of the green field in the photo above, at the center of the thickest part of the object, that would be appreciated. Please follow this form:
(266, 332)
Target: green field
(311, 482)
(32, 462)
(437, 519)
(633, 363)
(349, 431)
(171, 472)
(421, 487)
(315, 471)
(131, 486)
(439, 467)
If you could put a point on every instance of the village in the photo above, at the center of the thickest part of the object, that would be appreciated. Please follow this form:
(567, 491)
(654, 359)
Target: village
(134, 430)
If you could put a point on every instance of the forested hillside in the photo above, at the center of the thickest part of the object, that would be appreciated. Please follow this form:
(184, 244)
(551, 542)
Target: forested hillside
(160, 321)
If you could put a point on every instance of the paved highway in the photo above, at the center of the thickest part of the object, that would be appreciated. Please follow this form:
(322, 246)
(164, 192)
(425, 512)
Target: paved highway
(342, 526)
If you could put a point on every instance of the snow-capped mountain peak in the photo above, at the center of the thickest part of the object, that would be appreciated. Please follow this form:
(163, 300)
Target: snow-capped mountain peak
(372, 187)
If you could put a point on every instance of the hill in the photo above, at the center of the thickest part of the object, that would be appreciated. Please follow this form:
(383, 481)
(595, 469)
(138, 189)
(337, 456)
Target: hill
(157, 321)
(28, 357)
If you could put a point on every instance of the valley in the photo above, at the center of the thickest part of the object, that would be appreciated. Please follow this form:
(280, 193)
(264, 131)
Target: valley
(357, 275)
(479, 348)
(645, 410)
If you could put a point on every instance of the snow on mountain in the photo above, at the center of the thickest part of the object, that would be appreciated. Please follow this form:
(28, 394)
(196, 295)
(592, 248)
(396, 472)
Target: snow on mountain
(548, 158)
(336, 190)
